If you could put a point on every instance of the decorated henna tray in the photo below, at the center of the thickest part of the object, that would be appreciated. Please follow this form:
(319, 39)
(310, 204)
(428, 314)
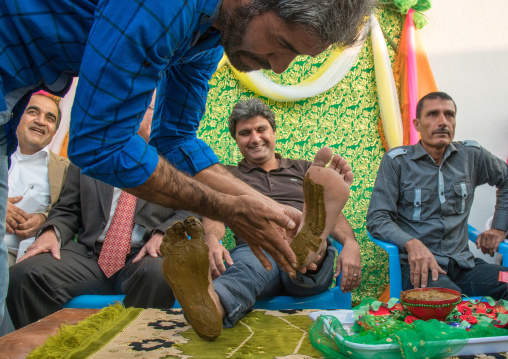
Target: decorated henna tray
(466, 312)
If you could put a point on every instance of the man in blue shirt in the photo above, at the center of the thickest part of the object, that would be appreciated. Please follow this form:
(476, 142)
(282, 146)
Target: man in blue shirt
(122, 50)
(422, 199)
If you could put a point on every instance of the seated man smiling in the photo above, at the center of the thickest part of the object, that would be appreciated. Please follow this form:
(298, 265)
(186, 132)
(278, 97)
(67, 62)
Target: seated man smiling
(97, 240)
(236, 289)
(36, 174)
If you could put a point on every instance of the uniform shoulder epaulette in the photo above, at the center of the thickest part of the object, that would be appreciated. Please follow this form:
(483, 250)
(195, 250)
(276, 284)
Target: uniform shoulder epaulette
(472, 143)
(397, 152)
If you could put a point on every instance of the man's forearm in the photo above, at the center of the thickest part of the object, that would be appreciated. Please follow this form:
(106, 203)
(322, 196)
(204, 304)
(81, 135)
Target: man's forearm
(342, 232)
(173, 189)
(214, 230)
(381, 226)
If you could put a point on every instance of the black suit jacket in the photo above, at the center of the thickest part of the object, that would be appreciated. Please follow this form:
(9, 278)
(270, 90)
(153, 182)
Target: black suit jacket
(84, 207)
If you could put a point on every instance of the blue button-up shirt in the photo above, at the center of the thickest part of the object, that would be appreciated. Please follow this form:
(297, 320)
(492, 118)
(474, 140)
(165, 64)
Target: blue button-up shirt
(415, 198)
(121, 50)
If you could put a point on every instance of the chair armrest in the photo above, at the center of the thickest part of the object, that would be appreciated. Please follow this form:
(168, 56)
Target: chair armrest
(503, 249)
(393, 265)
(473, 233)
(337, 246)
(503, 246)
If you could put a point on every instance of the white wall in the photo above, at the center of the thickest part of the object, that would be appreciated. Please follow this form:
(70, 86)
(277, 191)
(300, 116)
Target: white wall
(467, 45)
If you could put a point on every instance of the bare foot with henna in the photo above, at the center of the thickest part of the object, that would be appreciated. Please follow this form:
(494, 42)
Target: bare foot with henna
(187, 271)
(326, 191)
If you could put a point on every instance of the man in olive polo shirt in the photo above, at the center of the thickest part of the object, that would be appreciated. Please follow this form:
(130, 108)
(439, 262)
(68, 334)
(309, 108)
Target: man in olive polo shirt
(252, 125)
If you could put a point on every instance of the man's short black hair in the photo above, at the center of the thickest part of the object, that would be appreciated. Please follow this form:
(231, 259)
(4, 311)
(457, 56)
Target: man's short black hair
(247, 109)
(432, 96)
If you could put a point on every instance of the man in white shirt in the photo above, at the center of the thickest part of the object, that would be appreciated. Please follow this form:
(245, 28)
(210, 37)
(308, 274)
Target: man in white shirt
(65, 260)
(36, 175)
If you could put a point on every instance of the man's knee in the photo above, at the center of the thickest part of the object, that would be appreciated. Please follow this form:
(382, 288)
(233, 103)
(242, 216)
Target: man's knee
(248, 264)
(148, 271)
(25, 270)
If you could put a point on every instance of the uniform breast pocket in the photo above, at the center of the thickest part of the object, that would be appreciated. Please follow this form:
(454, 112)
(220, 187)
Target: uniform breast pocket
(463, 196)
(415, 204)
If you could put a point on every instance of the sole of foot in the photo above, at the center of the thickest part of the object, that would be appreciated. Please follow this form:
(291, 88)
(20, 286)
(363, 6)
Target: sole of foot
(325, 194)
(186, 269)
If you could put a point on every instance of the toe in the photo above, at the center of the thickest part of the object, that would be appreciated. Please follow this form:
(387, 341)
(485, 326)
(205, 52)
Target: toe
(348, 178)
(194, 228)
(322, 157)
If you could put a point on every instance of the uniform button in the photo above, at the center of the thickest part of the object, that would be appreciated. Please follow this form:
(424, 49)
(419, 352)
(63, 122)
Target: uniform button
(90, 253)
(103, 224)
(417, 203)
(442, 193)
(272, 185)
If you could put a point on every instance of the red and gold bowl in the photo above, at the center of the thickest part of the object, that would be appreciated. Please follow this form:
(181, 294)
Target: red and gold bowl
(430, 303)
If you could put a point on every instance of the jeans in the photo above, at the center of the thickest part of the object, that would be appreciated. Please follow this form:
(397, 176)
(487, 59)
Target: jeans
(247, 281)
(479, 281)
(4, 266)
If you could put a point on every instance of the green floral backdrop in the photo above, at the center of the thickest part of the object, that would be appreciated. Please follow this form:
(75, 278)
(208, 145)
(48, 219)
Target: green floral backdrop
(344, 118)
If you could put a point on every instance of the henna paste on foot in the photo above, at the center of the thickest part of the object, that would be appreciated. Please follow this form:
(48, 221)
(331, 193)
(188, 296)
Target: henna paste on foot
(186, 269)
(308, 238)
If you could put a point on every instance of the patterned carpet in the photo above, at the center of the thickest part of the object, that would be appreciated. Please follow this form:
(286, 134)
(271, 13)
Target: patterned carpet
(116, 332)
(165, 334)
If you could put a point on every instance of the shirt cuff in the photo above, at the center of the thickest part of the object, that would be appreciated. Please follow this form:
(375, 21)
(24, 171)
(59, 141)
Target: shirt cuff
(500, 220)
(192, 156)
(57, 233)
(125, 167)
(399, 238)
(58, 236)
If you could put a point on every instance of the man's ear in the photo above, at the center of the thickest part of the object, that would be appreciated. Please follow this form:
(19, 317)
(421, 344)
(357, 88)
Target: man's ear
(416, 124)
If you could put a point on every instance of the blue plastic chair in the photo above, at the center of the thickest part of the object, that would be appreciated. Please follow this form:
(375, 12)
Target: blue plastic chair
(331, 299)
(94, 301)
(394, 260)
(98, 301)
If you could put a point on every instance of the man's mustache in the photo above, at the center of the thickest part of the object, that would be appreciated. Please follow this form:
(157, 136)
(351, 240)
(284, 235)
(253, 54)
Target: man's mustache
(441, 130)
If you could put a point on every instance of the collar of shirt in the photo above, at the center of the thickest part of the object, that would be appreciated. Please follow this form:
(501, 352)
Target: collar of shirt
(246, 167)
(419, 151)
(211, 14)
(17, 156)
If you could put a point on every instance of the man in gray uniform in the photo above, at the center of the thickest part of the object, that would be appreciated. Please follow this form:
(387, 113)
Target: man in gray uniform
(422, 199)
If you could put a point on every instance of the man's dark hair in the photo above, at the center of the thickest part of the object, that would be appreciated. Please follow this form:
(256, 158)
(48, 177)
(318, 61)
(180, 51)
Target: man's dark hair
(332, 21)
(247, 109)
(432, 96)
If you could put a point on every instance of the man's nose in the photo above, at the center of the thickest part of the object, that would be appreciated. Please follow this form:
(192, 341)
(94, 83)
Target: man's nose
(40, 119)
(280, 62)
(441, 120)
(254, 137)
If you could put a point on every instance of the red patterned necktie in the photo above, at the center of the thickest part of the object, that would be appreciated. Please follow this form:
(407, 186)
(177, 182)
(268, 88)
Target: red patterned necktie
(118, 239)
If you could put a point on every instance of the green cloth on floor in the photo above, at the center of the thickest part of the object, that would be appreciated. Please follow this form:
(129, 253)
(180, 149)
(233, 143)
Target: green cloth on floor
(91, 334)
(116, 332)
